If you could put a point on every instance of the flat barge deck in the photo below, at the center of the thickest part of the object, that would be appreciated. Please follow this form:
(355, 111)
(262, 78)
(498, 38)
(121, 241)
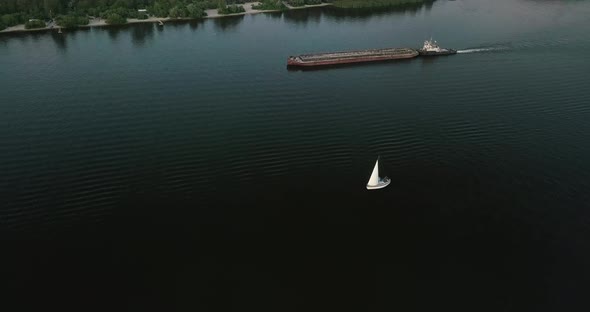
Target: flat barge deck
(350, 57)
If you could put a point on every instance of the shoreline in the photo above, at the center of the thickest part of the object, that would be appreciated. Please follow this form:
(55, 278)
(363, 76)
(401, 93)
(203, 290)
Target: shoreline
(212, 13)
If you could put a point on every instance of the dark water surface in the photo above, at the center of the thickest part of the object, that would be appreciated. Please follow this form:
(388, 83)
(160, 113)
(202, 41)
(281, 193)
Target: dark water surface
(185, 168)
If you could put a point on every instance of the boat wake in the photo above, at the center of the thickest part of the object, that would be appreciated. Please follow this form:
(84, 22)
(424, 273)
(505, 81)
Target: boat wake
(481, 50)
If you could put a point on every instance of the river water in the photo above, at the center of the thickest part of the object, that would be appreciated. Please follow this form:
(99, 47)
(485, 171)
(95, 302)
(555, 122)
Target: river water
(185, 168)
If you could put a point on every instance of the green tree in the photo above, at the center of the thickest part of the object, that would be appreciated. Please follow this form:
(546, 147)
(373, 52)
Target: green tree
(195, 11)
(221, 5)
(85, 5)
(35, 24)
(232, 9)
(124, 4)
(296, 3)
(72, 20)
(174, 12)
(12, 19)
(160, 9)
(270, 5)
(51, 7)
(115, 19)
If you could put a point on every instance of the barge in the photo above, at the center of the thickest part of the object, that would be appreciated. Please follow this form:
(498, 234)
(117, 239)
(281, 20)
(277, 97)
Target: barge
(335, 58)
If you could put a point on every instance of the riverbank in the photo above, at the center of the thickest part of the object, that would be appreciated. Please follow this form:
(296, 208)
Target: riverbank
(98, 22)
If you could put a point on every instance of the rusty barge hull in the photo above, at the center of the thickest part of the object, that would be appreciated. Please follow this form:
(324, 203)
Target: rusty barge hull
(351, 57)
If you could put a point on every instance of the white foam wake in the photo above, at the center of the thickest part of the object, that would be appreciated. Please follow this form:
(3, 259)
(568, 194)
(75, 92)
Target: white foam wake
(479, 50)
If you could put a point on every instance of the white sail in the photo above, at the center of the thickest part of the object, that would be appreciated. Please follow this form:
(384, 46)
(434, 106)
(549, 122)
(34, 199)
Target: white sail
(374, 180)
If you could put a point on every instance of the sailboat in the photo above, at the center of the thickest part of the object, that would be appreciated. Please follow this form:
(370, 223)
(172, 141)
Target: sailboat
(375, 182)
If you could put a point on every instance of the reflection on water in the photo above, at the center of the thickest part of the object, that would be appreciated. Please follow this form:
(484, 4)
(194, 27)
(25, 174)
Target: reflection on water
(398, 62)
(343, 13)
(141, 32)
(174, 24)
(35, 36)
(228, 22)
(313, 15)
(275, 15)
(114, 31)
(426, 61)
(60, 40)
(195, 24)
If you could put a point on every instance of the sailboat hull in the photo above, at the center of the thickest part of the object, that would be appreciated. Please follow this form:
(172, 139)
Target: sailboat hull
(380, 185)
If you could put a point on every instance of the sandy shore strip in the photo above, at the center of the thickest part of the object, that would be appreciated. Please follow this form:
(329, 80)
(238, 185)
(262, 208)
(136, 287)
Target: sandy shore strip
(305, 6)
(247, 7)
(98, 22)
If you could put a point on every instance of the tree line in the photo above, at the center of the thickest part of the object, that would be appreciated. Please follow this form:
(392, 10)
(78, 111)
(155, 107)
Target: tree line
(75, 12)
(70, 13)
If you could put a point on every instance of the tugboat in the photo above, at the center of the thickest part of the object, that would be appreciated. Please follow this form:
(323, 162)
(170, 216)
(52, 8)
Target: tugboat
(431, 48)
